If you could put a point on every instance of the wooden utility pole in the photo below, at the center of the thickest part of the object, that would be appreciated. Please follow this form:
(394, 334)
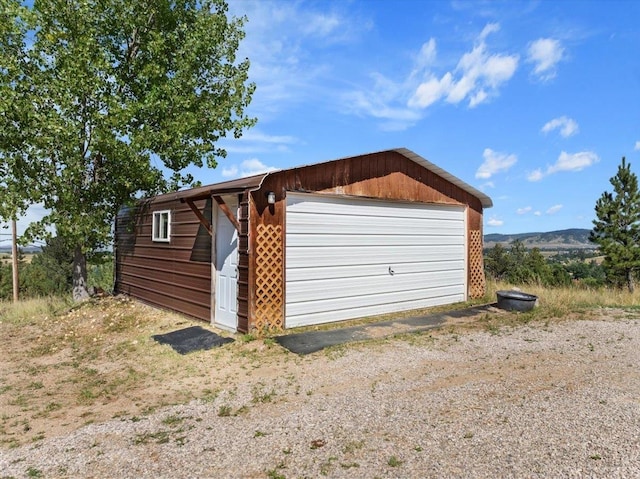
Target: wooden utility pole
(14, 259)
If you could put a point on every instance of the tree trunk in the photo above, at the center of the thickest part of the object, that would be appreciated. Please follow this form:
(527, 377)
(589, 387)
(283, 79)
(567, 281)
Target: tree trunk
(630, 283)
(80, 290)
(14, 261)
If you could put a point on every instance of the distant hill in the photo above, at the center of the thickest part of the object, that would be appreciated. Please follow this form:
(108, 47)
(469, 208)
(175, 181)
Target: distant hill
(574, 238)
(557, 240)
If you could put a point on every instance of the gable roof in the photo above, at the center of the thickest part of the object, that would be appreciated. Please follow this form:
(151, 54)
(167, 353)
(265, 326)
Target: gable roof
(484, 199)
(254, 182)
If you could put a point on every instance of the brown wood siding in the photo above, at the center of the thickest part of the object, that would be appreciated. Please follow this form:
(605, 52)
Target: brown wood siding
(387, 175)
(174, 275)
(243, 264)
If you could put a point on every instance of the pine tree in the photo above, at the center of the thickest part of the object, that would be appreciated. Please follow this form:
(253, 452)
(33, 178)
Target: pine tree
(497, 262)
(617, 229)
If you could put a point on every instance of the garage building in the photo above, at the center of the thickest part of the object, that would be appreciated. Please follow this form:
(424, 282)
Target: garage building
(343, 239)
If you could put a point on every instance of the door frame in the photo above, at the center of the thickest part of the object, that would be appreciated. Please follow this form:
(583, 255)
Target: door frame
(219, 215)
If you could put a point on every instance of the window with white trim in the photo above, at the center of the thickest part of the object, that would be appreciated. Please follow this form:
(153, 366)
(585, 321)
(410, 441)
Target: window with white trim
(162, 226)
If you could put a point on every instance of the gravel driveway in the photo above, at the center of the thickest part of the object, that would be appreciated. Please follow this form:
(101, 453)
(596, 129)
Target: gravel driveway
(539, 400)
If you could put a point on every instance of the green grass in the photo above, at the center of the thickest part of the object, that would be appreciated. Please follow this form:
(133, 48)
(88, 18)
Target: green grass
(224, 410)
(33, 472)
(260, 394)
(173, 420)
(158, 437)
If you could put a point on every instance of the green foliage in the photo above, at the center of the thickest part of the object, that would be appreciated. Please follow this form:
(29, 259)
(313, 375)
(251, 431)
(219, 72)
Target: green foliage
(104, 87)
(590, 274)
(520, 266)
(15, 109)
(497, 262)
(6, 274)
(101, 272)
(50, 272)
(617, 227)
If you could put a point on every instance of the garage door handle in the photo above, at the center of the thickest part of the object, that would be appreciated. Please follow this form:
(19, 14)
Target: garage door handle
(391, 272)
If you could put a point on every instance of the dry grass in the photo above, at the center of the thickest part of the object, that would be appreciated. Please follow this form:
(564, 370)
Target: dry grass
(26, 258)
(65, 366)
(559, 301)
(554, 304)
(31, 310)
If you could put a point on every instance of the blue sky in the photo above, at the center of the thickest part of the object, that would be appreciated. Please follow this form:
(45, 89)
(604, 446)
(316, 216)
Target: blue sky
(532, 102)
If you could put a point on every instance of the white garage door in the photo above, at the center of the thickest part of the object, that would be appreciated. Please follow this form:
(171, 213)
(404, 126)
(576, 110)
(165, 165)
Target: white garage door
(348, 258)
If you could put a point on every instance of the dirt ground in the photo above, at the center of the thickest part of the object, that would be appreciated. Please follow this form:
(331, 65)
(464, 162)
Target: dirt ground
(99, 362)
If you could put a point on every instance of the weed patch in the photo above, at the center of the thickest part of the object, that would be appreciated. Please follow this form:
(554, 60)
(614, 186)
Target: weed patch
(159, 437)
(224, 411)
(260, 394)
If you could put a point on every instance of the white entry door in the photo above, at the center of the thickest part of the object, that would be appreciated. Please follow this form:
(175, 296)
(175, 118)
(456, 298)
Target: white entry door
(226, 268)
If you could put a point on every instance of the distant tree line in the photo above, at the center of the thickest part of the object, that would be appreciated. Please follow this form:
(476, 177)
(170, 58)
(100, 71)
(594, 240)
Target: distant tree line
(616, 231)
(50, 272)
(517, 265)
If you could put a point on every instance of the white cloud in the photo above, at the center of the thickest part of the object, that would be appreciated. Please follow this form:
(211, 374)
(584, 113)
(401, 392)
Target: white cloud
(489, 29)
(554, 209)
(478, 98)
(493, 221)
(258, 136)
(494, 162)
(567, 126)
(573, 161)
(426, 57)
(322, 25)
(535, 175)
(566, 162)
(431, 91)
(545, 54)
(256, 141)
(537, 213)
(286, 42)
(637, 147)
(250, 167)
(477, 76)
(230, 171)
(377, 106)
(523, 211)
(381, 103)
(254, 166)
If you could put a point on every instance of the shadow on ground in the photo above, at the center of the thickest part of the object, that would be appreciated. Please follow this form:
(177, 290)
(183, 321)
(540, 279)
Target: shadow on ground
(311, 341)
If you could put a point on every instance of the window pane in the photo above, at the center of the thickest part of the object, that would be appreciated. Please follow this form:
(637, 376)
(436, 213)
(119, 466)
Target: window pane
(161, 225)
(165, 226)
